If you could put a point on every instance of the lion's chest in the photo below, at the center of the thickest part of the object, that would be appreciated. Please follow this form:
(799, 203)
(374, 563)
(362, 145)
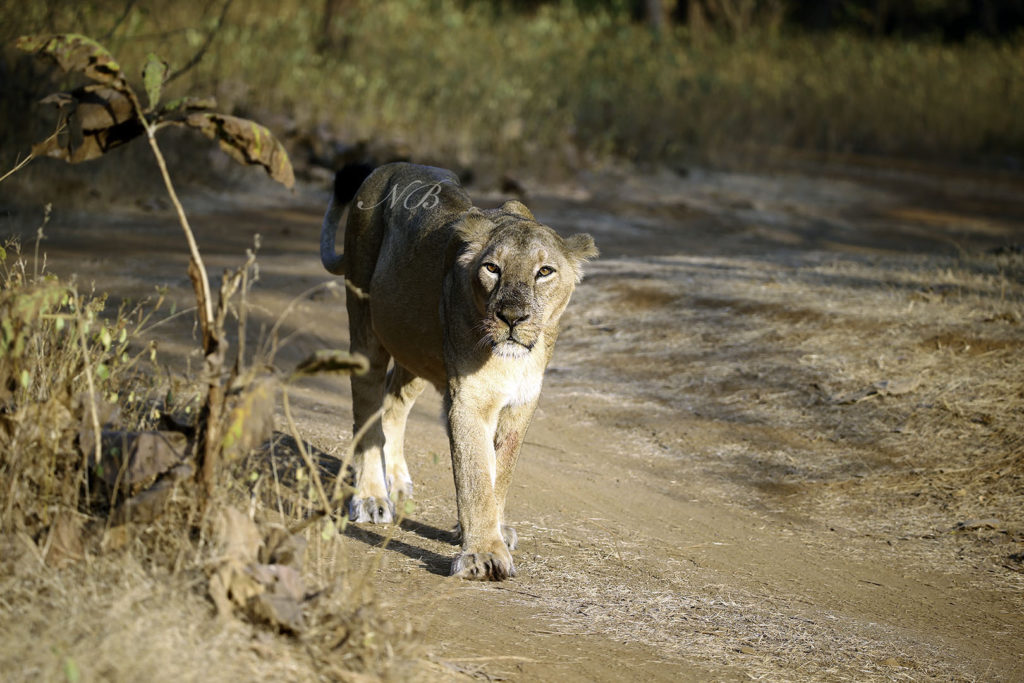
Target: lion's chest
(504, 382)
(521, 383)
(520, 379)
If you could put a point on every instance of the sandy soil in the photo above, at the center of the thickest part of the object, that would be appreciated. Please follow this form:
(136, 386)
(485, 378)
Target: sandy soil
(780, 439)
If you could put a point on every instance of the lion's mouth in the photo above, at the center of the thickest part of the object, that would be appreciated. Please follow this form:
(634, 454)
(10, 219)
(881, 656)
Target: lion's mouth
(510, 344)
(511, 348)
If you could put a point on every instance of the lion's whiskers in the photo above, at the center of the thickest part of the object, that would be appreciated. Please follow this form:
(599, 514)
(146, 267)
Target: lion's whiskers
(486, 328)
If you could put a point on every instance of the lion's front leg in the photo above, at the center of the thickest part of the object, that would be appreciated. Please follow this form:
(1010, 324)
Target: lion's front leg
(513, 421)
(508, 534)
(484, 556)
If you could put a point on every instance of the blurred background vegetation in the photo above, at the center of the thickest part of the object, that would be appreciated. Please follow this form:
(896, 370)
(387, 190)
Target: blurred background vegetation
(549, 87)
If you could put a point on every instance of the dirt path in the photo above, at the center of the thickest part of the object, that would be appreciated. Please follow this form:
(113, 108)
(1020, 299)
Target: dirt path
(781, 437)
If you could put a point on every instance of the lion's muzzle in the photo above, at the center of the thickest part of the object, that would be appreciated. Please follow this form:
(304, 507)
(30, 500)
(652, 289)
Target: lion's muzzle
(512, 321)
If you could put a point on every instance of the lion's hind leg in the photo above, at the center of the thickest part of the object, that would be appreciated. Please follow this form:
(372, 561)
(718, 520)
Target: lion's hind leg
(370, 501)
(403, 388)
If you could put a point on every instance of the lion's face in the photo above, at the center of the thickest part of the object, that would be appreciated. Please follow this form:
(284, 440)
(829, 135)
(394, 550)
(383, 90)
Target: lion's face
(522, 278)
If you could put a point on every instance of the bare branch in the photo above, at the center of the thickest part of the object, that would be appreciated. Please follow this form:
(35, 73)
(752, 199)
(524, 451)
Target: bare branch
(61, 126)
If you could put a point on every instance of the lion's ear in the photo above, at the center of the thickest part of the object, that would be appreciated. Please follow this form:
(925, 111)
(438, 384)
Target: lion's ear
(471, 233)
(517, 208)
(473, 226)
(581, 246)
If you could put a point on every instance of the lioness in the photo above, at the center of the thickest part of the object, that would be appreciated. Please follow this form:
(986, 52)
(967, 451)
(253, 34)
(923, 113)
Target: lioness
(466, 299)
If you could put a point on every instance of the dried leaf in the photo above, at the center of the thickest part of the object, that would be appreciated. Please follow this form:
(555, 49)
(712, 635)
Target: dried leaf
(99, 120)
(186, 104)
(332, 361)
(148, 505)
(133, 460)
(64, 543)
(279, 603)
(247, 142)
(268, 592)
(250, 421)
(237, 537)
(75, 52)
(98, 107)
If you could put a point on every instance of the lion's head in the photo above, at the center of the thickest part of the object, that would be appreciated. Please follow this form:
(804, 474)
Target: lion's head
(521, 274)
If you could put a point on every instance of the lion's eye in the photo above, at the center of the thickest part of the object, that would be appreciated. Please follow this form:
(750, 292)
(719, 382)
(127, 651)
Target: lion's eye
(544, 271)
(492, 268)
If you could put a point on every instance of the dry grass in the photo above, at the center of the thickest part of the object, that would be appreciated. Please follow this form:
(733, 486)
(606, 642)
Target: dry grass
(118, 617)
(133, 605)
(86, 599)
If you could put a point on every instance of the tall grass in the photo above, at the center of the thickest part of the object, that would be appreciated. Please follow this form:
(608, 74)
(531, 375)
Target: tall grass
(562, 87)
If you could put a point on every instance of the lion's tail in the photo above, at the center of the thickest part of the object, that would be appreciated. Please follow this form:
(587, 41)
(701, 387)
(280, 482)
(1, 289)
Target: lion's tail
(346, 183)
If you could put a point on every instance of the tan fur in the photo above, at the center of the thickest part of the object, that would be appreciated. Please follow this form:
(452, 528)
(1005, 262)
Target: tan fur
(424, 256)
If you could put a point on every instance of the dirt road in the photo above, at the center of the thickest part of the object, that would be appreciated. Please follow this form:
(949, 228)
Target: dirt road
(781, 437)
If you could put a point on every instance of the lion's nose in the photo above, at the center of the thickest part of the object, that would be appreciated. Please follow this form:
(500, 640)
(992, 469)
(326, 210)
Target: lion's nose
(512, 318)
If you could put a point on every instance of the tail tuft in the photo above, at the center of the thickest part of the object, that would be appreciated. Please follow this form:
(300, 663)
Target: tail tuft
(348, 180)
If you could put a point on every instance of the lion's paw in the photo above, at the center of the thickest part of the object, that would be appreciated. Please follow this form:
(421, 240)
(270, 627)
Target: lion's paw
(370, 509)
(509, 535)
(486, 566)
(400, 488)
